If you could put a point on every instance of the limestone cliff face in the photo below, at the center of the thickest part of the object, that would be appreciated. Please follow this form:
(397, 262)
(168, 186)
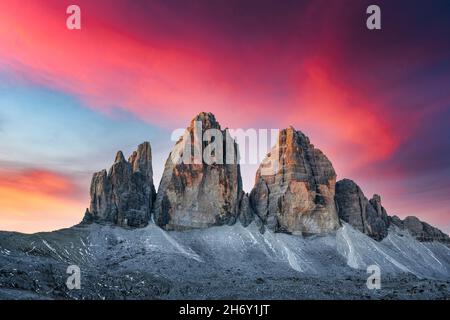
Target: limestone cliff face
(295, 187)
(197, 190)
(367, 216)
(124, 196)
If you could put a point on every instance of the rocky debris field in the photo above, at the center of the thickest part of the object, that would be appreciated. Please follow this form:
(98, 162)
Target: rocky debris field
(219, 263)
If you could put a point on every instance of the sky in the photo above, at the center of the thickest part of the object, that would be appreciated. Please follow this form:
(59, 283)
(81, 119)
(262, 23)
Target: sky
(376, 102)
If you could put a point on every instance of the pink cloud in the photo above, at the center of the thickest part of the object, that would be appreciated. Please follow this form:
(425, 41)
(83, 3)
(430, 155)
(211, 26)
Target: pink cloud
(167, 66)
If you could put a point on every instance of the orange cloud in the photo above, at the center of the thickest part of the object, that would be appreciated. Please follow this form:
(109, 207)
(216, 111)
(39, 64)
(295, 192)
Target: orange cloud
(30, 199)
(38, 181)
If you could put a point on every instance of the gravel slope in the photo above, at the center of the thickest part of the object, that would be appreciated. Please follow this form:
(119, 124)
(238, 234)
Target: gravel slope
(230, 262)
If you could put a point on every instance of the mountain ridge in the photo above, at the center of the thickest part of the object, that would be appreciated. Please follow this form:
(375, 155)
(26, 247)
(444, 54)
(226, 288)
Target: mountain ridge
(299, 234)
(299, 196)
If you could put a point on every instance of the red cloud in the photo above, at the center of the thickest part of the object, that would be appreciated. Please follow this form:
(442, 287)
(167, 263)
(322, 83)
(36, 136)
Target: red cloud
(249, 72)
(165, 76)
(107, 69)
(352, 129)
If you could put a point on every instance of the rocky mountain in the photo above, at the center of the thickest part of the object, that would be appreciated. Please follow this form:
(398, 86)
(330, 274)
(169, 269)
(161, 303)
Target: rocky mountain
(295, 187)
(422, 231)
(208, 239)
(124, 196)
(198, 191)
(367, 216)
(370, 217)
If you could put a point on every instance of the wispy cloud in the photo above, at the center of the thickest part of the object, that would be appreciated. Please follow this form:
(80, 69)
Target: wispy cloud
(373, 102)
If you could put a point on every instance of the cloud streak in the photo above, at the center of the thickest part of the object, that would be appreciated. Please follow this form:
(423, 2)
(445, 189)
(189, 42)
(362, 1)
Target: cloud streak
(33, 198)
(374, 102)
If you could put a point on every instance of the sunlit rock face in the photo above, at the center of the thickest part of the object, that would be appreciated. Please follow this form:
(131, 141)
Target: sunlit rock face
(201, 185)
(354, 208)
(124, 196)
(295, 187)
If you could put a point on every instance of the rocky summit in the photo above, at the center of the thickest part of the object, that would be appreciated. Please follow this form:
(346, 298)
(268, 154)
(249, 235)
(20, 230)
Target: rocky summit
(354, 208)
(124, 196)
(199, 192)
(295, 187)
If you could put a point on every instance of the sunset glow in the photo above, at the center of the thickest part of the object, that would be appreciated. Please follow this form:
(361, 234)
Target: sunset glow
(376, 103)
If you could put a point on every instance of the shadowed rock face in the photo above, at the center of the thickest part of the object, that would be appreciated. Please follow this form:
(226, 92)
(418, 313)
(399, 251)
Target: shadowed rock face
(124, 196)
(295, 187)
(193, 193)
(369, 216)
(422, 231)
(366, 216)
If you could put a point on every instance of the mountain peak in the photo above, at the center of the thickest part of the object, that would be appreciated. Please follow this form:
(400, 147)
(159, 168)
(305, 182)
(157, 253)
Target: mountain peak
(141, 160)
(125, 195)
(119, 157)
(207, 119)
(194, 194)
(294, 190)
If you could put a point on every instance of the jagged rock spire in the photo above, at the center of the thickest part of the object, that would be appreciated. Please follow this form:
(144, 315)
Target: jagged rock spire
(124, 196)
(194, 193)
(119, 157)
